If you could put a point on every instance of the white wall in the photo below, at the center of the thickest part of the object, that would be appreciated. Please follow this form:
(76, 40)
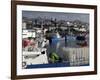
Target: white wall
(5, 31)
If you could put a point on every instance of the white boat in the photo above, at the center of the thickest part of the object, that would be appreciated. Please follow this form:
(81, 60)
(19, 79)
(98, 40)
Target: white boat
(34, 57)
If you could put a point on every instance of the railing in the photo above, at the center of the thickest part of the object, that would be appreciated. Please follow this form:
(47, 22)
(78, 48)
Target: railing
(76, 56)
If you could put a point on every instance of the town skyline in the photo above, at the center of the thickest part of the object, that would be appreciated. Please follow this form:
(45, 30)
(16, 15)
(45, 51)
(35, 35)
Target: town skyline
(57, 15)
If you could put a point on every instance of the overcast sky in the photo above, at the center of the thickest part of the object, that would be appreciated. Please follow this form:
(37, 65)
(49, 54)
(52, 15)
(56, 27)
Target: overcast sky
(57, 15)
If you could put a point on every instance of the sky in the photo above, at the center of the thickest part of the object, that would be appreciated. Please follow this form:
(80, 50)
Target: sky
(58, 15)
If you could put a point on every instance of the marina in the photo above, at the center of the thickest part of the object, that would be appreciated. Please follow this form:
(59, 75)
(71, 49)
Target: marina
(48, 42)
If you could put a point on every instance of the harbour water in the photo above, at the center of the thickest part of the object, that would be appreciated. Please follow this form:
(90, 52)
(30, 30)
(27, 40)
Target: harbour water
(58, 45)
